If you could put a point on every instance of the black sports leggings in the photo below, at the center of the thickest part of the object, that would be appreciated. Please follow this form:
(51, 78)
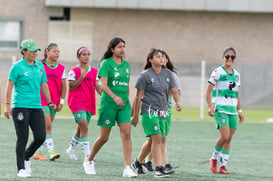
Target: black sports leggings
(23, 118)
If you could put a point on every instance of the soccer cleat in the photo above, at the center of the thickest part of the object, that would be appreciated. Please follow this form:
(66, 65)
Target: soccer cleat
(213, 165)
(147, 166)
(23, 173)
(39, 156)
(128, 172)
(159, 172)
(89, 167)
(28, 166)
(168, 169)
(53, 155)
(137, 167)
(223, 170)
(71, 154)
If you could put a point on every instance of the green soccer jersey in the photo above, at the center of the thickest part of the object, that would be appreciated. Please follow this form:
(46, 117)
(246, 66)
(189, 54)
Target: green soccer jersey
(225, 91)
(118, 76)
(27, 81)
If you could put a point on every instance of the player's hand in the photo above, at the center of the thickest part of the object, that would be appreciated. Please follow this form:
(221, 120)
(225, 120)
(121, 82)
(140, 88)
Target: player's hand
(210, 111)
(241, 117)
(52, 106)
(59, 107)
(178, 107)
(119, 101)
(7, 112)
(83, 73)
(134, 120)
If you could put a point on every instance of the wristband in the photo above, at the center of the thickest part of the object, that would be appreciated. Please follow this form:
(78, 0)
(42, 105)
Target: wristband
(62, 101)
(49, 103)
(240, 110)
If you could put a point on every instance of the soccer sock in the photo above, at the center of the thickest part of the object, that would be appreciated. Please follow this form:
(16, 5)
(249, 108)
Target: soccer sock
(74, 142)
(216, 151)
(85, 147)
(49, 142)
(224, 157)
(41, 148)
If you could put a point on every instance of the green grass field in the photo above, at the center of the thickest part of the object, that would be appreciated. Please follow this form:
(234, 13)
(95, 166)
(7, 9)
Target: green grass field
(188, 143)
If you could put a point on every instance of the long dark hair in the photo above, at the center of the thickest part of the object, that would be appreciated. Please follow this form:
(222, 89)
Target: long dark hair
(49, 47)
(169, 64)
(153, 51)
(112, 44)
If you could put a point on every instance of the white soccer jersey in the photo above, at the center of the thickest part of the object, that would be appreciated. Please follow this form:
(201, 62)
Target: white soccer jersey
(225, 91)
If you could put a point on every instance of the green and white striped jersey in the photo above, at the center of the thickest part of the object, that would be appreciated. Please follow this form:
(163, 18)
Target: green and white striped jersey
(225, 91)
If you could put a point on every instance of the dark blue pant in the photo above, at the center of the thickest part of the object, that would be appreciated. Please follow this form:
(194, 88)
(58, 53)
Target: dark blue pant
(23, 119)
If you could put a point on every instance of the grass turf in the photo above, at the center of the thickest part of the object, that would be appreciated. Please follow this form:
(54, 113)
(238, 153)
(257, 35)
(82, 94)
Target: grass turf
(188, 143)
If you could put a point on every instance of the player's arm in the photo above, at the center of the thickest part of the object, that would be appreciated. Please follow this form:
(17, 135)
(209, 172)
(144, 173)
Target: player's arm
(176, 98)
(108, 91)
(136, 106)
(73, 84)
(63, 92)
(46, 93)
(209, 101)
(239, 109)
(98, 87)
(9, 88)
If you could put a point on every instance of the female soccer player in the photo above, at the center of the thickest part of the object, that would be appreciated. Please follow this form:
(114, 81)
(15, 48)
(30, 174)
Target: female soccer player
(82, 101)
(153, 87)
(114, 74)
(56, 81)
(27, 76)
(224, 105)
(147, 165)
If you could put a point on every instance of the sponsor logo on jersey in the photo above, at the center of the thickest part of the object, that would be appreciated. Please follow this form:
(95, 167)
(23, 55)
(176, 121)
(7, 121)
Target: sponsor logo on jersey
(26, 73)
(127, 70)
(167, 79)
(115, 68)
(20, 116)
(152, 79)
(116, 74)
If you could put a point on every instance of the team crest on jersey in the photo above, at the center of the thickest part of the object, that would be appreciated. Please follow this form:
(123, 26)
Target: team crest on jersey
(152, 80)
(155, 127)
(127, 71)
(223, 120)
(115, 68)
(167, 79)
(78, 115)
(20, 116)
(107, 121)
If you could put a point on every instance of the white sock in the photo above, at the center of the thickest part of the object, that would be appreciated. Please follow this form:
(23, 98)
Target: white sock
(73, 144)
(41, 148)
(49, 144)
(215, 154)
(223, 159)
(86, 149)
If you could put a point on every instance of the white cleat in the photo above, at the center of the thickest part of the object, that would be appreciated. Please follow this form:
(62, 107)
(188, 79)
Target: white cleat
(89, 167)
(23, 173)
(128, 172)
(71, 154)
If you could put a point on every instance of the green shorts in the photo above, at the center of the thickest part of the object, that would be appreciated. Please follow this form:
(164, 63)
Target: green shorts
(223, 119)
(109, 116)
(168, 123)
(81, 115)
(153, 124)
(47, 110)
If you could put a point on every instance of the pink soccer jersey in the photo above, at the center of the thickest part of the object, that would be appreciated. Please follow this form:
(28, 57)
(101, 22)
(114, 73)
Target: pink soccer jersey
(54, 81)
(83, 97)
